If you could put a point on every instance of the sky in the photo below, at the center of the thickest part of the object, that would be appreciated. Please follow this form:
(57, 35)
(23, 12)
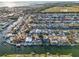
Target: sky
(23, 3)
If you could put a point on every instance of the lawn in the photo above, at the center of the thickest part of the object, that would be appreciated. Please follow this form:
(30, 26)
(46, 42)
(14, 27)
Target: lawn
(39, 51)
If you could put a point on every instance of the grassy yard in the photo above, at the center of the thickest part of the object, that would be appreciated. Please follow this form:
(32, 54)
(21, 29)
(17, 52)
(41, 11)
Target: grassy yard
(39, 51)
